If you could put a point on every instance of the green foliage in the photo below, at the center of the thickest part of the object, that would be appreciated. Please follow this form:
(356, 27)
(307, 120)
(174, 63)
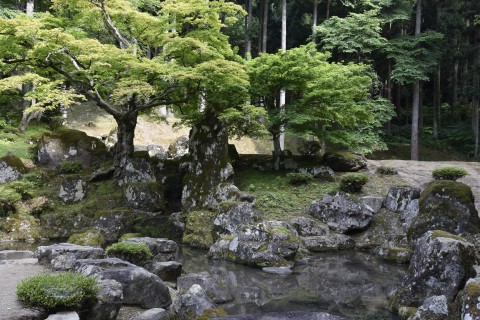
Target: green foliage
(353, 182)
(70, 167)
(385, 170)
(18, 143)
(136, 253)
(58, 291)
(449, 173)
(298, 178)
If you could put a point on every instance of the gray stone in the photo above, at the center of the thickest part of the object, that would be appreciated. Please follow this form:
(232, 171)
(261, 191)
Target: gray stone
(72, 145)
(277, 270)
(102, 174)
(15, 254)
(156, 245)
(433, 308)
(167, 271)
(395, 254)
(153, 314)
(409, 213)
(309, 227)
(214, 291)
(441, 265)
(145, 196)
(319, 172)
(46, 254)
(268, 244)
(398, 198)
(289, 164)
(109, 301)
(467, 302)
(341, 213)
(194, 303)
(297, 315)
(140, 287)
(332, 241)
(233, 216)
(157, 151)
(345, 162)
(72, 190)
(374, 203)
(11, 168)
(138, 170)
(308, 148)
(178, 148)
(64, 315)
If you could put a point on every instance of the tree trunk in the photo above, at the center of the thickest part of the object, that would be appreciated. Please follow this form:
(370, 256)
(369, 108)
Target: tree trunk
(277, 151)
(248, 32)
(327, 16)
(436, 103)
(315, 19)
(124, 148)
(453, 108)
(476, 91)
(265, 26)
(416, 92)
(282, 92)
(29, 8)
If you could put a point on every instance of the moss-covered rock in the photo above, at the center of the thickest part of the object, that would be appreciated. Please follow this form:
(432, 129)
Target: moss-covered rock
(467, 302)
(145, 196)
(21, 225)
(448, 206)
(91, 238)
(344, 162)
(395, 254)
(11, 168)
(72, 145)
(199, 229)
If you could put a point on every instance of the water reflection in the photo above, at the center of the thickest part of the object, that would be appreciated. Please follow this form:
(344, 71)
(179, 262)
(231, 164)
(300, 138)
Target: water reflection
(350, 284)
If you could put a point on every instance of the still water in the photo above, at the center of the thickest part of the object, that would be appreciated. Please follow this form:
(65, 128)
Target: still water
(349, 284)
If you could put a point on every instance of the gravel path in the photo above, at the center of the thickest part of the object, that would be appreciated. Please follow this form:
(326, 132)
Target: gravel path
(419, 173)
(12, 271)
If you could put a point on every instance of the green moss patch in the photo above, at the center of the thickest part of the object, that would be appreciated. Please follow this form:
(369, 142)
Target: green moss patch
(448, 188)
(90, 237)
(198, 229)
(136, 253)
(15, 162)
(443, 234)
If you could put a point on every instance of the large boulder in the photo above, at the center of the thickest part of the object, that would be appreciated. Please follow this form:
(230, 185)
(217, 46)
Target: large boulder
(163, 249)
(448, 206)
(11, 168)
(441, 265)
(306, 227)
(167, 271)
(199, 229)
(233, 216)
(46, 254)
(154, 314)
(72, 145)
(344, 162)
(109, 301)
(73, 189)
(433, 308)
(319, 172)
(145, 196)
(268, 244)
(209, 164)
(157, 151)
(403, 200)
(138, 170)
(178, 148)
(215, 292)
(139, 286)
(195, 304)
(341, 213)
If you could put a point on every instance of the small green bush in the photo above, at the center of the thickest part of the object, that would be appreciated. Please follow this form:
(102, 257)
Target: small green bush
(387, 171)
(136, 253)
(58, 291)
(353, 182)
(70, 167)
(299, 178)
(449, 173)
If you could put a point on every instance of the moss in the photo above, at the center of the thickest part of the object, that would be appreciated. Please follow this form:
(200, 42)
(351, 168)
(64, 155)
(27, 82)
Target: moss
(90, 237)
(15, 162)
(70, 137)
(228, 205)
(473, 290)
(395, 254)
(136, 253)
(198, 229)
(406, 312)
(448, 188)
(70, 167)
(443, 234)
(212, 313)
(129, 236)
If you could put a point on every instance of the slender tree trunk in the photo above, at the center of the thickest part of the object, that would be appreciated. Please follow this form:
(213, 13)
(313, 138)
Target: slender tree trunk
(30, 7)
(327, 15)
(420, 108)
(248, 32)
(453, 108)
(476, 91)
(436, 103)
(265, 26)
(124, 148)
(416, 92)
(315, 19)
(282, 92)
(277, 151)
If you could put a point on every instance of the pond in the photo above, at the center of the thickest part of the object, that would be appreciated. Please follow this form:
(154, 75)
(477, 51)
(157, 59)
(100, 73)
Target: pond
(349, 284)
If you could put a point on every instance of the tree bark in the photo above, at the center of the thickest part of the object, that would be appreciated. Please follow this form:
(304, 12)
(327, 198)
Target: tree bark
(476, 90)
(282, 92)
(436, 103)
(29, 8)
(265, 26)
(315, 19)
(327, 15)
(277, 151)
(248, 32)
(124, 148)
(416, 92)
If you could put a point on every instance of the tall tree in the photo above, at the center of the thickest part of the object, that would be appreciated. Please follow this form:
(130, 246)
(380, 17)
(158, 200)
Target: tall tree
(416, 92)
(283, 92)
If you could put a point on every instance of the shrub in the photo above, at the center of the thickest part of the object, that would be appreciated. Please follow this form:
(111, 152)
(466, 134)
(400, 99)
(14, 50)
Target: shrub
(136, 253)
(58, 291)
(353, 182)
(449, 173)
(70, 167)
(387, 171)
(299, 178)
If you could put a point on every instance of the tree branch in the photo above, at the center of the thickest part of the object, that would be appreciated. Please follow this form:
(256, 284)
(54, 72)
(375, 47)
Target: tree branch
(123, 42)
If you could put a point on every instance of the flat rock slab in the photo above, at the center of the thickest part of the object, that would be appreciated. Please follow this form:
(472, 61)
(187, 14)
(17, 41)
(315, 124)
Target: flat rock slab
(283, 316)
(15, 255)
(13, 271)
